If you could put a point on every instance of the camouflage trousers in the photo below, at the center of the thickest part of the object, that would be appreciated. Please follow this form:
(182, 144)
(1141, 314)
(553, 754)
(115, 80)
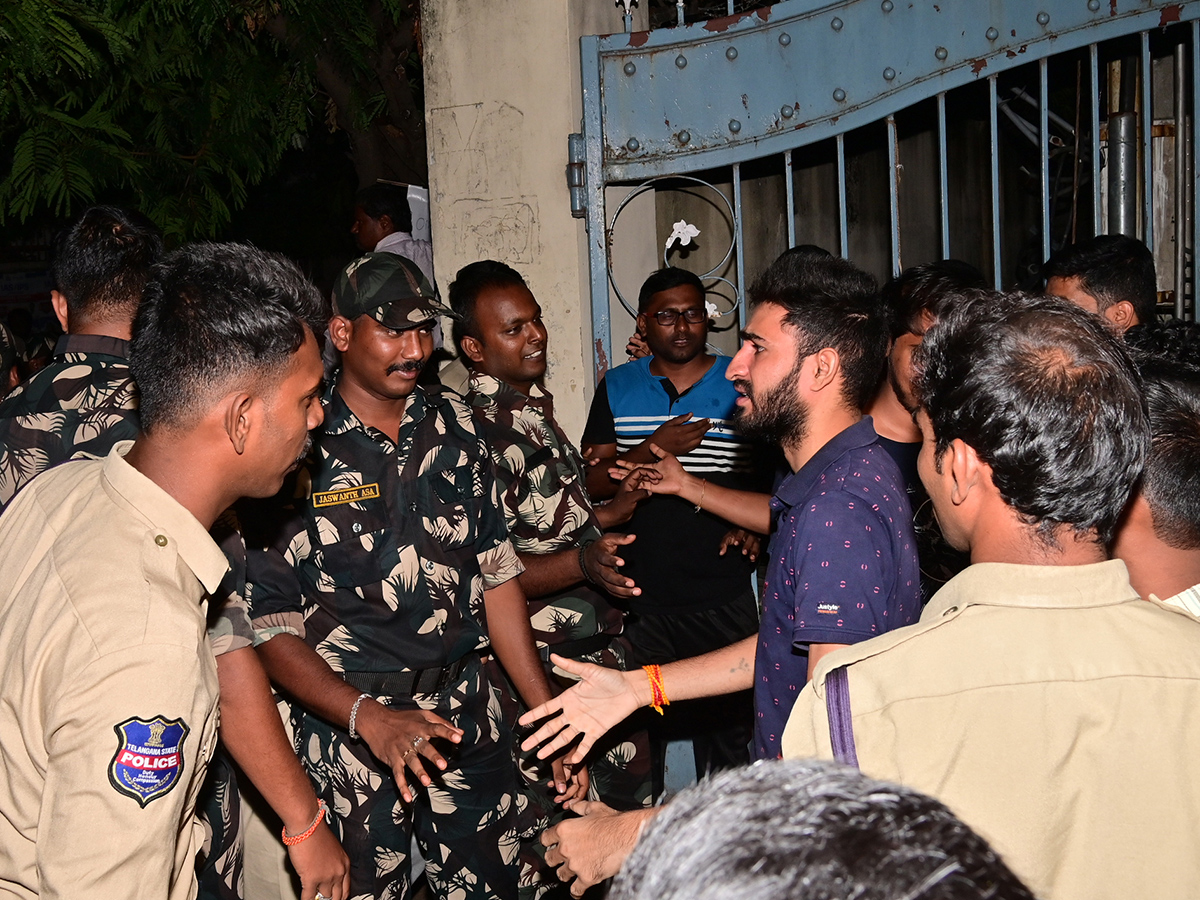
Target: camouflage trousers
(219, 866)
(619, 766)
(464, 822)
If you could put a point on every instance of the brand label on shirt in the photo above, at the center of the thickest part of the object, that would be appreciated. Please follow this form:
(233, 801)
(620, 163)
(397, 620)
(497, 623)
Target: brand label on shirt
(149, 758)
(830, 609)
(346, 495)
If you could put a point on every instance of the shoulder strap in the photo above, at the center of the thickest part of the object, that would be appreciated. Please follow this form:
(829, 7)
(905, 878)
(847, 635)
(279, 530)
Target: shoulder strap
(841, 725)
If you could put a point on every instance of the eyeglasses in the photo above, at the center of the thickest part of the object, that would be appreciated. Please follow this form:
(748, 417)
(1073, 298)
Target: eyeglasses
(668, 317)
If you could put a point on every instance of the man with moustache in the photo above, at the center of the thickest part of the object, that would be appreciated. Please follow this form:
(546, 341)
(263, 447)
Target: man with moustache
(375, 591)
(694, 572)
(842, 558)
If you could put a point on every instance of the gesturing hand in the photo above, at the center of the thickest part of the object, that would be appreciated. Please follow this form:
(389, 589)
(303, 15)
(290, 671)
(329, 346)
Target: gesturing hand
(403, 738)
(593, 847)
(678, 436)
(598, 701)
(666, 476)
(619, 510)
(601, 562)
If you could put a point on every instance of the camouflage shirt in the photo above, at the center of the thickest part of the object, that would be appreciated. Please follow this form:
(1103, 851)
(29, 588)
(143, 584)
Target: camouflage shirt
(546, 504)
(380, 560)
(83, 402)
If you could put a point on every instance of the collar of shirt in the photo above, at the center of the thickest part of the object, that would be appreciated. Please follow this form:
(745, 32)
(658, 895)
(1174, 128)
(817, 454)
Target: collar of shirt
(796, 486)
(1009, 584)
(504, 394)
(92, 343)
(340, 418)
(197, 548)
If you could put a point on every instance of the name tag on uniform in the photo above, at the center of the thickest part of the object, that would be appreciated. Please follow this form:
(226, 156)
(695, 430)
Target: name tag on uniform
(346, 495)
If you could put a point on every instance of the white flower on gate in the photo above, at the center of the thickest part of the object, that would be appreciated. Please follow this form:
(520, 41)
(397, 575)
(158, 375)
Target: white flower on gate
(710, 309)
(683, 232)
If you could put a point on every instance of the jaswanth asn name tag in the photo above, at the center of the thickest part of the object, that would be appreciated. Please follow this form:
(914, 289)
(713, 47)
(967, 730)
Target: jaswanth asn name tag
(346, 495)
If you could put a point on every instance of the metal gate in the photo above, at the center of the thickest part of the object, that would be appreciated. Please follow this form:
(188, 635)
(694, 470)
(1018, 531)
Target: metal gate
(819, 98)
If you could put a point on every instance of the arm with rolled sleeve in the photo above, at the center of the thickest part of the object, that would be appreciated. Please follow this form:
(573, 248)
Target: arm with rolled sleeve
(95, 840)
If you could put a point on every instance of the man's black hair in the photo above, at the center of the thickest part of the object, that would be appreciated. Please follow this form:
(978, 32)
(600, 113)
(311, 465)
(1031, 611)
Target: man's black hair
(810, 830)
(101, 262)
(379, 200)
(1112, 268)
(1047, 396)
(1168, 357)
(915, 293)
(471, 281)
(830, 303)
(213, 313)
(664, 280)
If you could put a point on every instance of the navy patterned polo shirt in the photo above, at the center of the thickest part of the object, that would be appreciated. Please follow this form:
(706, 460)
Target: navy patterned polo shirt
(842, 569)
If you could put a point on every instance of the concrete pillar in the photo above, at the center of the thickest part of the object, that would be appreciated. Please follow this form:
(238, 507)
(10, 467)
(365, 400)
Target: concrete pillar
(502, 94)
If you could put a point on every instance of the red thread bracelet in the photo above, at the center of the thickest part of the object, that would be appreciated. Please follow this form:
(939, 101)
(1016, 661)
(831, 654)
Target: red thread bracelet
(292, 840)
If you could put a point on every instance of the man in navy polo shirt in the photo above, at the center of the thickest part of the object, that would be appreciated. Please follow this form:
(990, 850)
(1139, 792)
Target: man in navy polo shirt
(842, 559)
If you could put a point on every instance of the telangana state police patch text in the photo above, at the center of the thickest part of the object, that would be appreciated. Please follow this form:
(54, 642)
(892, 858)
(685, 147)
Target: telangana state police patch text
(149, 757)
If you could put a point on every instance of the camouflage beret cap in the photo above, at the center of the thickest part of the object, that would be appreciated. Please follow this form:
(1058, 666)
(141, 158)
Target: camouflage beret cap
(389, 288)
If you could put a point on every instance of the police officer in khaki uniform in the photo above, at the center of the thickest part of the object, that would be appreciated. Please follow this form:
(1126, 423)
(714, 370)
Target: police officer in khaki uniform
(108, 687)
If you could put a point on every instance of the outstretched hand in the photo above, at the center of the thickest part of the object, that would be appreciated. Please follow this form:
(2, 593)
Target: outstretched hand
(600, 700)
(666, 476)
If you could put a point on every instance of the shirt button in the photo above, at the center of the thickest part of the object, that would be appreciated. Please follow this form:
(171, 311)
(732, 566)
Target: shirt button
(161, 540)
(357, 526)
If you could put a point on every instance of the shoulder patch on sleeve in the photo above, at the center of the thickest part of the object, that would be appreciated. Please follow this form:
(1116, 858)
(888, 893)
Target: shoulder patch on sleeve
(149, 758)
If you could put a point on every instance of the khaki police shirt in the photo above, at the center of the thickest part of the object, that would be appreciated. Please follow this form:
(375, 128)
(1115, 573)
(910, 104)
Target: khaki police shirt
(108, 687)
(1053, 711)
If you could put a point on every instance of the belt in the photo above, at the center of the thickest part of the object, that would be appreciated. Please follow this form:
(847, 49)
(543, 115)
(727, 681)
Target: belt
(410, 682)
(581, 647)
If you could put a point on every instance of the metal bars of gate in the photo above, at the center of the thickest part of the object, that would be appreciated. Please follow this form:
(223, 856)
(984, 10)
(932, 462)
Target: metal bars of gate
(676, 101)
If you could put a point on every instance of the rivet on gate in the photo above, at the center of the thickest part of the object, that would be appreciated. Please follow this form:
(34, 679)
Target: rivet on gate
(991, 34)
(836, 24)
(681, 61)
(839, 95)
(1094, 5)
(787, 112)
(785, 39)
(889, 74)
(632, 144)
(684, 137)
(886, 6)
(735, 126)
(630, 68)
(941, 53)
(1043, 18)
(731, 54)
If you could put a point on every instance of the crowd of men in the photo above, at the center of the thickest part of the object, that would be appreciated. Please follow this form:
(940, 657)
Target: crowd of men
(981, 521)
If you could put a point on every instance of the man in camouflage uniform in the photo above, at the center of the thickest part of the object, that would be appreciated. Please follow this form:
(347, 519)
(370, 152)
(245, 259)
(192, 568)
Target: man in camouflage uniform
(369, 593)
(86, 403)
(570, 565)
(83, 402)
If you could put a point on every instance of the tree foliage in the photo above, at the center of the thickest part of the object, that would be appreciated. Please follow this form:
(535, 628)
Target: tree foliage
(178, 107)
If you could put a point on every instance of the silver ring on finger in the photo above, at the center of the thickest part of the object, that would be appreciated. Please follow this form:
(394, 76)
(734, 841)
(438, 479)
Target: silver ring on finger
(321, 896)
(416, 742)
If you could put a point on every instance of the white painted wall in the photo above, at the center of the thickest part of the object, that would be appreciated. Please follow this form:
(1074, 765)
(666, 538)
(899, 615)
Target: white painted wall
(501, 95)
